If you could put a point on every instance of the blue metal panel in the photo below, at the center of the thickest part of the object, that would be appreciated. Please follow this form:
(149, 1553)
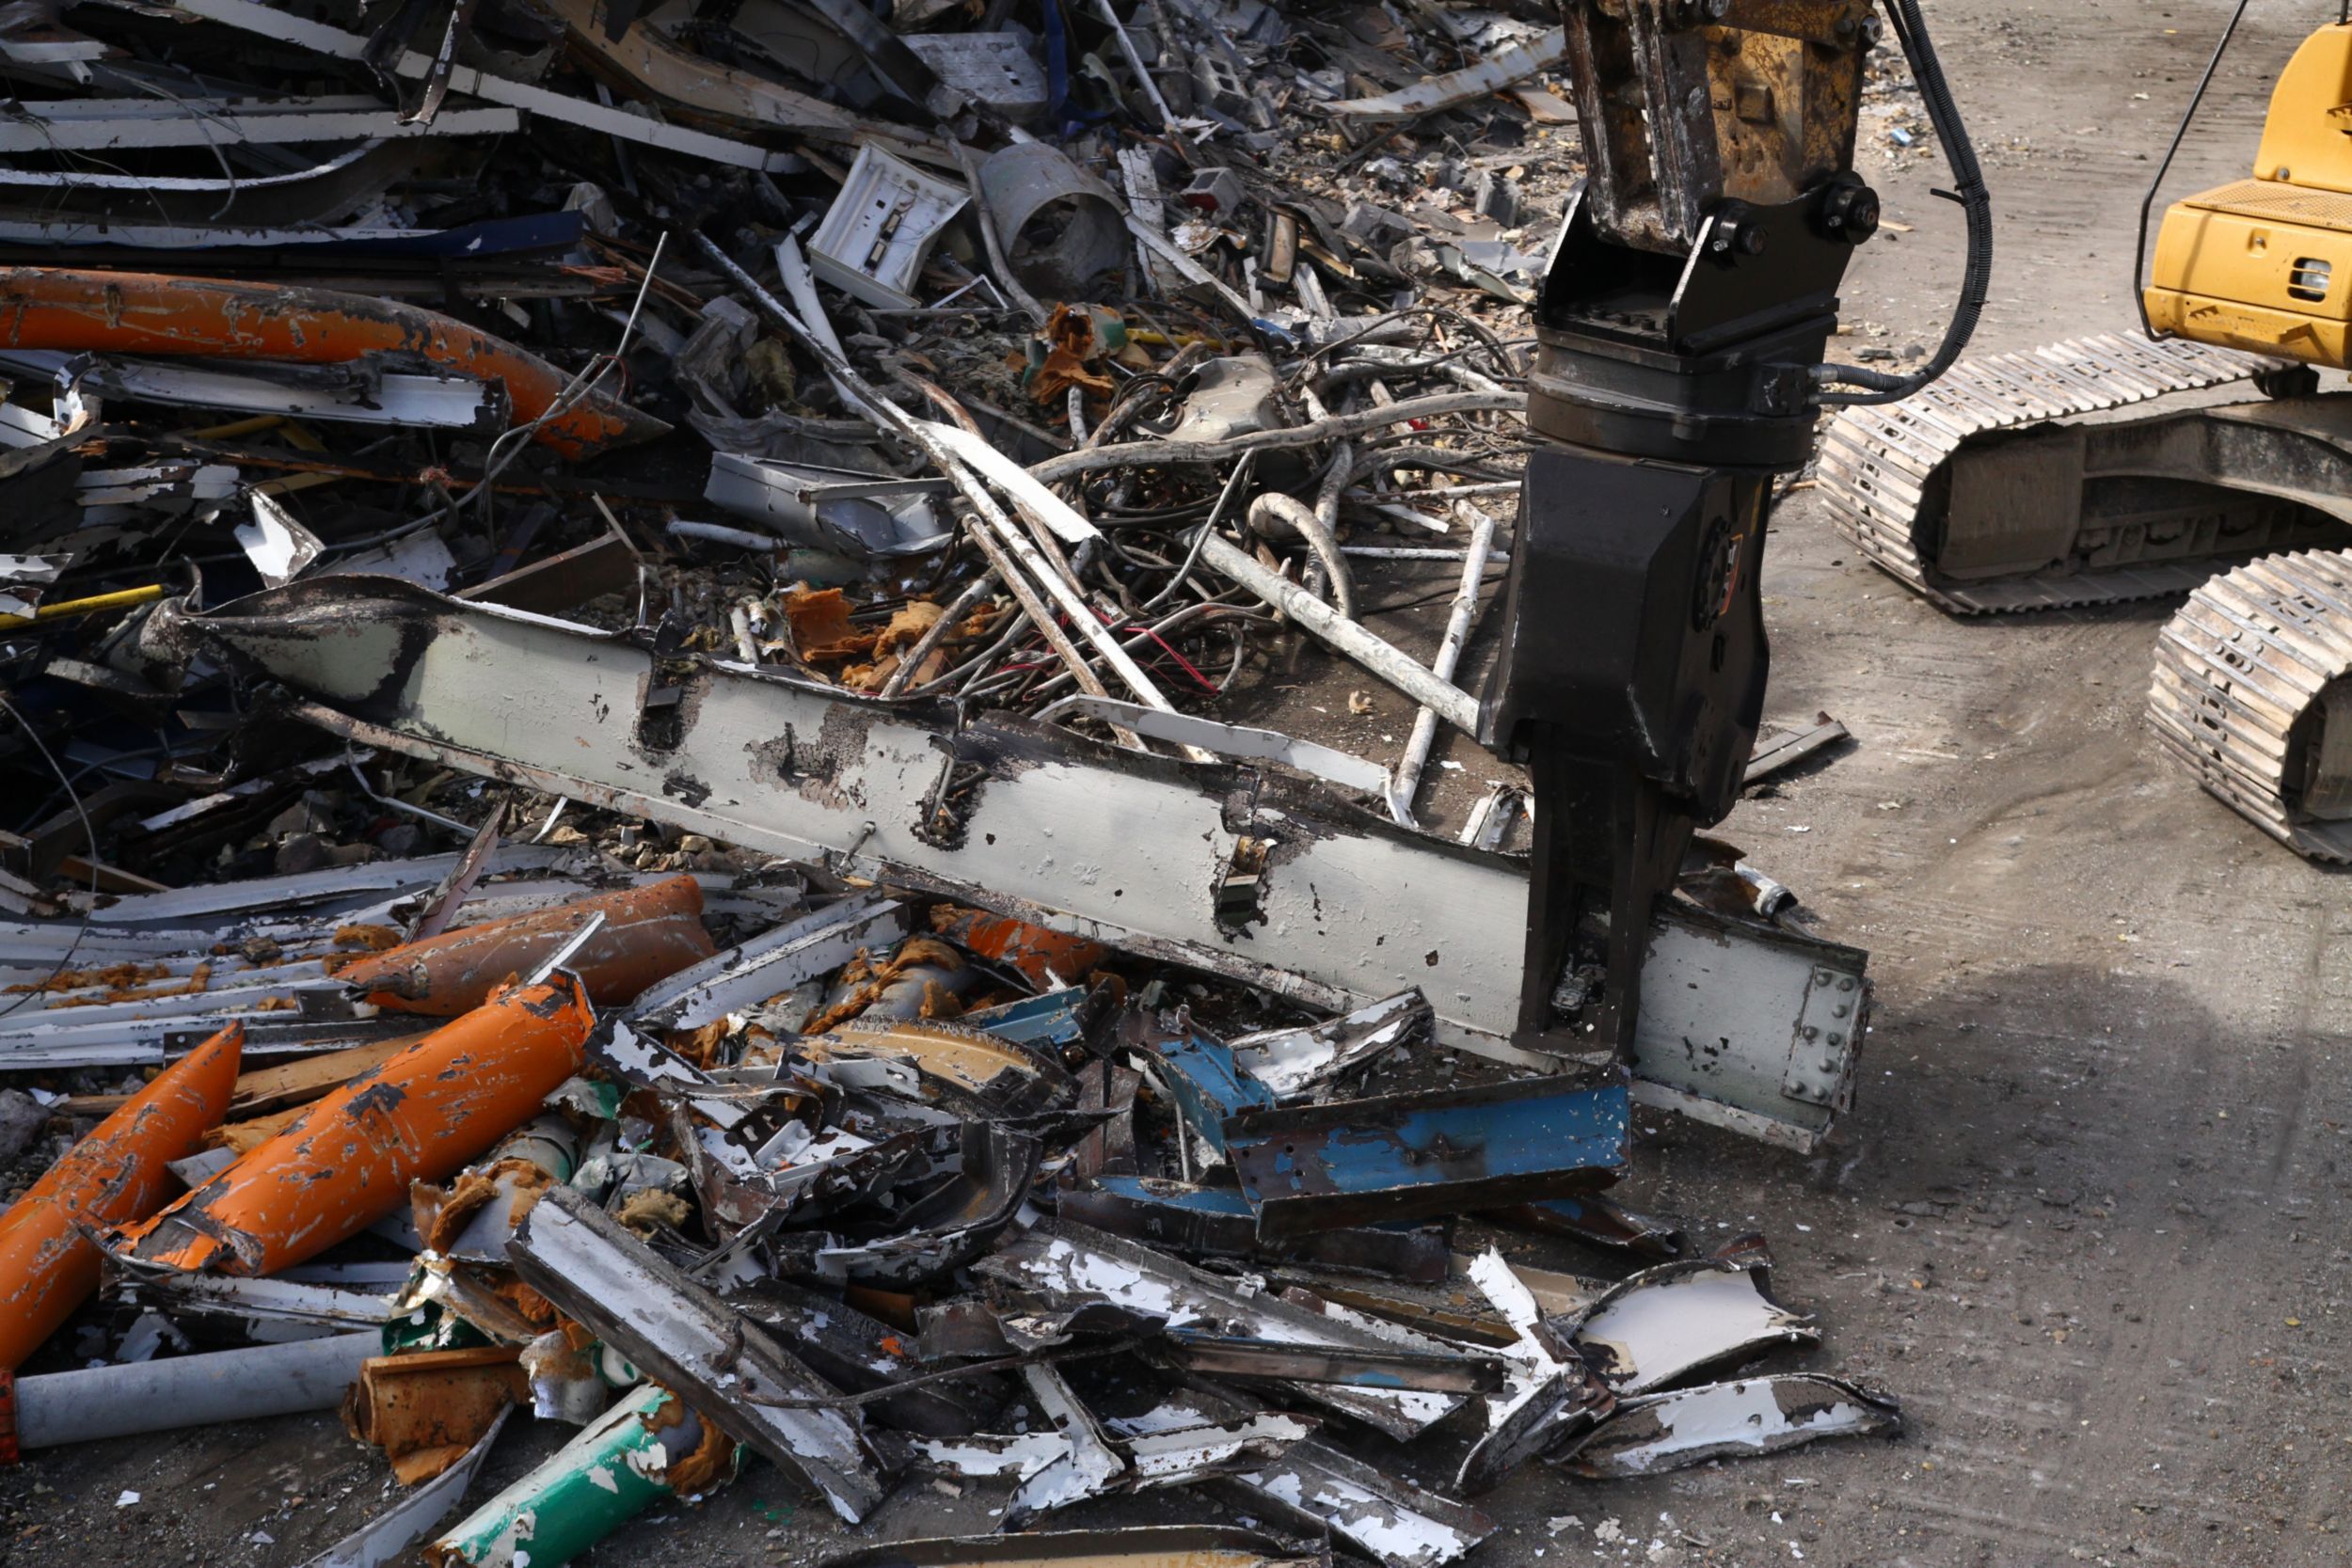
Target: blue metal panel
(1400, 1156)
(1210, 1087)
(1052, 1019)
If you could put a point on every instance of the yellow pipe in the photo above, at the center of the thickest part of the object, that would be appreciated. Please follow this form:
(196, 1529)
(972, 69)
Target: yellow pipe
(92, 605)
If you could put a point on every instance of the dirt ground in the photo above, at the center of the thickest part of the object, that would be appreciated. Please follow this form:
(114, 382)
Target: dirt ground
(2086, 1218)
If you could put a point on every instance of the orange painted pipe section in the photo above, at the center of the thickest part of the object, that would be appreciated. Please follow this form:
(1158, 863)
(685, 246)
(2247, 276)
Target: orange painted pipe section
(116, 1175)
(649, 934)
(138, 312)
(423, 1114)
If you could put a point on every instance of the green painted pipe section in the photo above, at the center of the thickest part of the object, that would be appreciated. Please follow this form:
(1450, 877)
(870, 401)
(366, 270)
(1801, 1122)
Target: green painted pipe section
(592, 1486)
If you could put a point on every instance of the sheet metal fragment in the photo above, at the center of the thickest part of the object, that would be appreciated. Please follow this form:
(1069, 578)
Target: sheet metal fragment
(394, 1534)
(1664, 1324)
(1730, 1421)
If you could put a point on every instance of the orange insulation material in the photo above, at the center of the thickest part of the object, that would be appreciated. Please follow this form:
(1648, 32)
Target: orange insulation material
(423, 1114)
(47, 1266)
(138, 312)
(649, 934)
(1045, 958)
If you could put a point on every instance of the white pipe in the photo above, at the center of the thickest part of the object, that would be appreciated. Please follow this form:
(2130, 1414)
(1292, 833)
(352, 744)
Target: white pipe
(189, 1390)
(1457, 707)
(1406, 782)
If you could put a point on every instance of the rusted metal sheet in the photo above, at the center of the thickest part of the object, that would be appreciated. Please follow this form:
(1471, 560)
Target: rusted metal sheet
(428, 1408)
(132, 313)
(1045, 958)
(348, 1162)
(116, 1175)
(1412, 1155)
(649, 934)
(1349, 909)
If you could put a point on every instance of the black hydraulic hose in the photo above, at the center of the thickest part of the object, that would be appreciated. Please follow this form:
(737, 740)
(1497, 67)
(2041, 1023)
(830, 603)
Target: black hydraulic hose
(1976, 284)
(2148, 202)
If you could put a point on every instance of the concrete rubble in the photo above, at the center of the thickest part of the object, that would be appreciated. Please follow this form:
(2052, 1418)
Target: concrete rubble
(644, 661)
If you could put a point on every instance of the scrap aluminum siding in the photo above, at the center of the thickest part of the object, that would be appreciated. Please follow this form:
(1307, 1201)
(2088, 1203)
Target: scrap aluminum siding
(1105, 844)
(1665, 1323)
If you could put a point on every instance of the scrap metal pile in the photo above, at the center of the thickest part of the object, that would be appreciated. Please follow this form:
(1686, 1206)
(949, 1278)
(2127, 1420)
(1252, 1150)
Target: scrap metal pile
(1002, 364)
(622, 627)
(889, 1189)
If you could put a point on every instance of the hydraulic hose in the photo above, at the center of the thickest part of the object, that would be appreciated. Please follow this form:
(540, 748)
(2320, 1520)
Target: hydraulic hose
(1975, 283)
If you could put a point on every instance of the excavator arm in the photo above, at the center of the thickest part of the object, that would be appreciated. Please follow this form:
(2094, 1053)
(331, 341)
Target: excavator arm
(1681, 332)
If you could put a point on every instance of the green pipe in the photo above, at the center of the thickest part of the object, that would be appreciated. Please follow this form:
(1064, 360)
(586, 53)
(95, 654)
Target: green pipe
(615, 1470)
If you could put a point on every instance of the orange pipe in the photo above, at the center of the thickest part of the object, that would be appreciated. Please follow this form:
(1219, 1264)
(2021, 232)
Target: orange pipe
(138, 312)
(649, 934)
(422, 1114)
(47, 1266)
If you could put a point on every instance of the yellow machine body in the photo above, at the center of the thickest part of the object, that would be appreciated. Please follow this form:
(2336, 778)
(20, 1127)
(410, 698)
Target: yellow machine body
(2266, 265)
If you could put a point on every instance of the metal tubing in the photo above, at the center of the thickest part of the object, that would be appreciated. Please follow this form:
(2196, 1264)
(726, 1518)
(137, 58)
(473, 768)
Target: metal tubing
(116, 1174)
(99, 1402)
(1455, 706)
(1407, 781)
(349, 1160)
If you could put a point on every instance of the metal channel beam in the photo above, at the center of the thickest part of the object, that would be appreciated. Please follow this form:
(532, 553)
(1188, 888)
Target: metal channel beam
(1250, 875)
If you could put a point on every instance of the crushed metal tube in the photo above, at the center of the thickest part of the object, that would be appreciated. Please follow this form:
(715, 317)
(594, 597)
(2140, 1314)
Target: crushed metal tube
(665, 672)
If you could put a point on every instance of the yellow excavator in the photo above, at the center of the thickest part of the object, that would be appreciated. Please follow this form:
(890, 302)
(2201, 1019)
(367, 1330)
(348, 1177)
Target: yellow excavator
(2131, 466)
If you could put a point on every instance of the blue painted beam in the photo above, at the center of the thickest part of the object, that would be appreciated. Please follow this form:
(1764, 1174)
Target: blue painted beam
(1410, 1155)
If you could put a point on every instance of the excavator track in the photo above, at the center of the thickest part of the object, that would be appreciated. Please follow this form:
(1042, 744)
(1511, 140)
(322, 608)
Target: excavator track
(2251, 694)
(1890, 474)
